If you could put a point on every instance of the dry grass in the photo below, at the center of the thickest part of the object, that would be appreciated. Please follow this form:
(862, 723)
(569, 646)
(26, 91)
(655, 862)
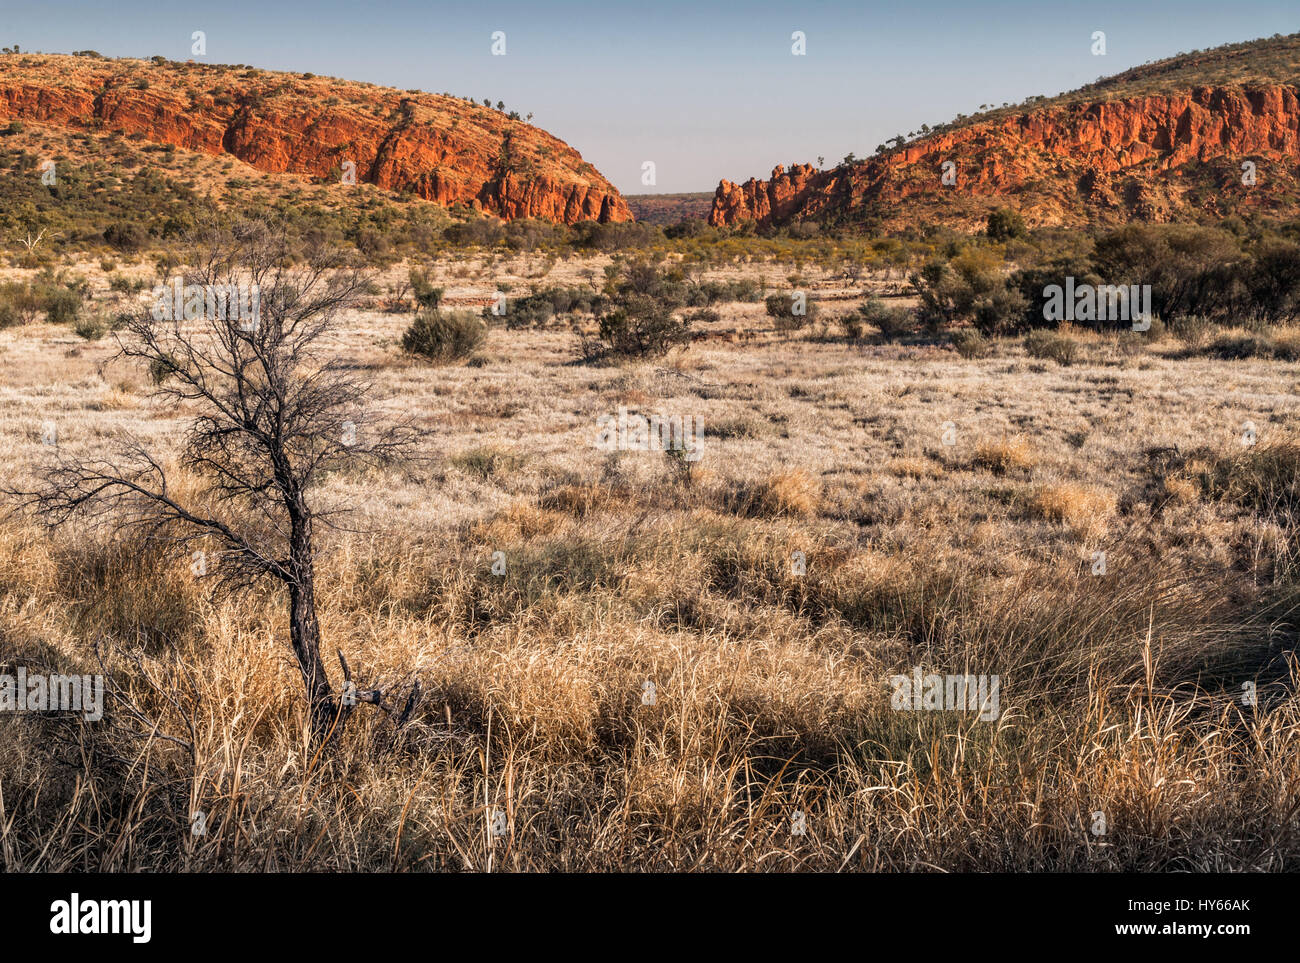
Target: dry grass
(1260, 476)
(792, 492)
(915, 468)
(832, 542)
(1004, 456)
(1181, 491)
(1082, 508)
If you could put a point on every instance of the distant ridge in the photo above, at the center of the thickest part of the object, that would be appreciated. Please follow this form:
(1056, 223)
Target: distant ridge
(437, 147)
(1199, 135)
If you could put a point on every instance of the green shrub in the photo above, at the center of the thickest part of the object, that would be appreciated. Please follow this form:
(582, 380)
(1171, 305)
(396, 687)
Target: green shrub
(487, 461)
(426, 295)
(708, 293)
(892, 322)
(1005, 223)
(636, 316)
(1191, 269)
(790, 313)
(1001, 312)
(535, 310)
(957, 289)
(526, 312)
(444, 336)
(853, 326)
(1032, 282)
(779, 305)
(126, 236)
(1042, 343)
(1281, 345)
(125, 285)
(482, 231)
(971, 344)
(642, 326)
(91, 327)
(19, 304)
(372, 244)
(1274, 282)
(62, 305)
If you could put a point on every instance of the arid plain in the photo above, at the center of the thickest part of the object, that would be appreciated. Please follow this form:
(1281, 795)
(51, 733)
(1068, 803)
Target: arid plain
(1111, 534)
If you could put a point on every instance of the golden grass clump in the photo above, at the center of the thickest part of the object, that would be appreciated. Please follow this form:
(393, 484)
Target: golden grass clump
(582, 500)
(487, 461)
(116, 398)
(791, 492)
(1084, 509)
(1004, 455)
(518, 522)
(915, 467)
(1180, 491)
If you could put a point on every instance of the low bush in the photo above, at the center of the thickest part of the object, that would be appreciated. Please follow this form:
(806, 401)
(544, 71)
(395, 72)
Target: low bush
(62, 305)
(537, 309)
(642, 327)
(790, 312)
(19, 304)
(1051, 345)
(717, 292)
(971, 344)
(126, 236)
(422, 289)
(92, 327)
(1282, 345)
(892, 322)
(444, 336)
(853, 326)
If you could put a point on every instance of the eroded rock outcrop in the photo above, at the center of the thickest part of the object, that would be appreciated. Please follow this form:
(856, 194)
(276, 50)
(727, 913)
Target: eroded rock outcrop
(1146, 157)
(441, 148)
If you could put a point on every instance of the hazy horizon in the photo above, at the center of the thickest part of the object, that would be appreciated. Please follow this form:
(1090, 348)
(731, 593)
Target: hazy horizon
(623, 84)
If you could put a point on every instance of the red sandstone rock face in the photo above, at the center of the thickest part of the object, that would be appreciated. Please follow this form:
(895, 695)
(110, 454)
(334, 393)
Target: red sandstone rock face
(1103, 162)
(443, 148)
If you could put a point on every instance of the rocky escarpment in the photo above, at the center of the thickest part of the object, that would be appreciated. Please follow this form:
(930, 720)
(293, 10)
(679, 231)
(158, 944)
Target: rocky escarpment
(1152, 157)
(441, 148)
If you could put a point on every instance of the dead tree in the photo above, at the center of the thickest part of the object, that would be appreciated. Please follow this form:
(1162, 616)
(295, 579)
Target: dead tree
(274, 409)
(32, 242)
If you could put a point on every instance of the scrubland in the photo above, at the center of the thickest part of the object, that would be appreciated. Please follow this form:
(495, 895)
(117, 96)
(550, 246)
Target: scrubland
(859, 509)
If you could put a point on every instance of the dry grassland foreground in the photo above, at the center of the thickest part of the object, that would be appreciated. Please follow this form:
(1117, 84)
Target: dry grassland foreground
(887, 608)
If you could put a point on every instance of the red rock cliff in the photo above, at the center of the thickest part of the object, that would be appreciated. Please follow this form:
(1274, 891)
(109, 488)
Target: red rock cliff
(442, 148)
(1144, 157)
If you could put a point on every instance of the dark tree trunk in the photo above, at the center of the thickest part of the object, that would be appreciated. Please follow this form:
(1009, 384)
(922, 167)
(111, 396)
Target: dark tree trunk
(304, 632)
